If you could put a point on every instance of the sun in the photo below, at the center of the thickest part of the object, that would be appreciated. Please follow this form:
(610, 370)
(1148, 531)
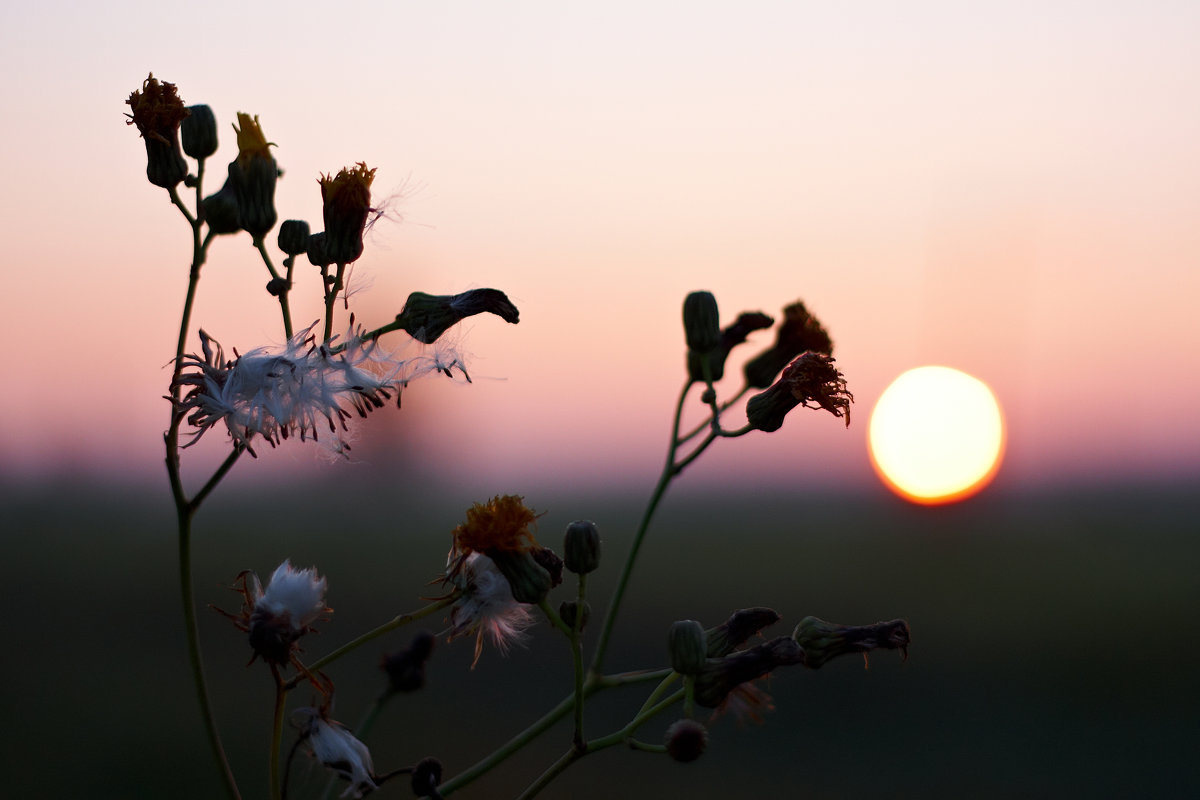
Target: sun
(936, 435)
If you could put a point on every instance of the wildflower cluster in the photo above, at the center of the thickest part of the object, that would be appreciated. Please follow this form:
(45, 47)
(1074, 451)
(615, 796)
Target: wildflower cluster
(497, 578)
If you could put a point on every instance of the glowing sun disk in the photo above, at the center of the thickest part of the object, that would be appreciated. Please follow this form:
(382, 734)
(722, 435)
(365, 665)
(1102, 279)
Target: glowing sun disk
(936, 435)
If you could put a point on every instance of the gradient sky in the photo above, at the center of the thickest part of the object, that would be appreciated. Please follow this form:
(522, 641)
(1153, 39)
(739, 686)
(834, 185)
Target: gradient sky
(1012, 189)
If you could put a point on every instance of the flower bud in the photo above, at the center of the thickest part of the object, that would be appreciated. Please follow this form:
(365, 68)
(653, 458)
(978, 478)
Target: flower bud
(568, 609)
(581, 547)
(701, 321)
(277, 286)
(318, 254)
(823, 641)
(731, 336)
(221, 210)
(686, 740)
(198, 132)
(720, 676)
(687, 646)
(550, 561)
(157, 113)
(741, 625)
(255, 174)
(293, 237)
(406, 668)
(426, 776)
(530, 582)
(426, 317)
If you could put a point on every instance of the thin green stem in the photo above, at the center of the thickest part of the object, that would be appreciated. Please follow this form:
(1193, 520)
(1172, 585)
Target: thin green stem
(623, 736)
(664, 480)
(222, 470)
(277, 732)
(194, 656)
(508, 748)
(557, 768)
(577, 659)
(594, 683)
(184, 510)
(283, 294)
(331, 293)
(659, 690)
(370, 635)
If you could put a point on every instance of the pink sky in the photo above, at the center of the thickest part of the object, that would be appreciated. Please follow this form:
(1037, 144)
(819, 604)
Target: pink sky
(1006, 188)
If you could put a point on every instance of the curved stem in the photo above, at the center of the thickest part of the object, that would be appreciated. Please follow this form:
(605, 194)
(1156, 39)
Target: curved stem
(331, 293)
(277, 732)
(664, 480)
(194, 656)
(619, 737)
(375, 633)
(184, 509)
(283, 295)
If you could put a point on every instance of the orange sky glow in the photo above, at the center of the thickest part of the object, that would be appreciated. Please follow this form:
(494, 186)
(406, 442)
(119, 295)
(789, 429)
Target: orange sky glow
(1006, 188)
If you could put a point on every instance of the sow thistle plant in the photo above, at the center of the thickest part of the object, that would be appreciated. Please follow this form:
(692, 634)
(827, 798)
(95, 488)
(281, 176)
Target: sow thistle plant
(498, 579)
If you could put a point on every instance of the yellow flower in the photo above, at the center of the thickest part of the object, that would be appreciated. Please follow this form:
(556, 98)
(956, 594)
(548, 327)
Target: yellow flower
(250, 140)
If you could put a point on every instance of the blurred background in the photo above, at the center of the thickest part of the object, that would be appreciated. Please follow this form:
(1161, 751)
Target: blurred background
(1005, 188)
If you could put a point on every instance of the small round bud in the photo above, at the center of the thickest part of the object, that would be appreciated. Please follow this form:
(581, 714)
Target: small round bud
(277, 286)
(293, 236)
(198, 132)
(581, 547)
(687, 646)
(701, 321)
(317, 254)
(426, 776)
(686, 740)
(568, 610)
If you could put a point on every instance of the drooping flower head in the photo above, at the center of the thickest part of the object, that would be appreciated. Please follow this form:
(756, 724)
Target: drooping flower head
(811, 378)
(276, 617)
(486, 606)
(157, 112)
(337, 749)
(346, 204)
(275, 393)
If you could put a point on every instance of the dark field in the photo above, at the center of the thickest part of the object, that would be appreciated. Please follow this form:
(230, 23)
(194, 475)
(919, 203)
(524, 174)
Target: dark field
(1056, 643)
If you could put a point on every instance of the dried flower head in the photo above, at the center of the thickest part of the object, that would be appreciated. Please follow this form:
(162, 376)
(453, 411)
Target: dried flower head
(486, 605)
(294, 390)
(823, 641)
(501, 523)
(157, 112)
(346, 204)
(799, 332)
(721, 676)
(811, 378)
(332, 744)
(275, 618)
